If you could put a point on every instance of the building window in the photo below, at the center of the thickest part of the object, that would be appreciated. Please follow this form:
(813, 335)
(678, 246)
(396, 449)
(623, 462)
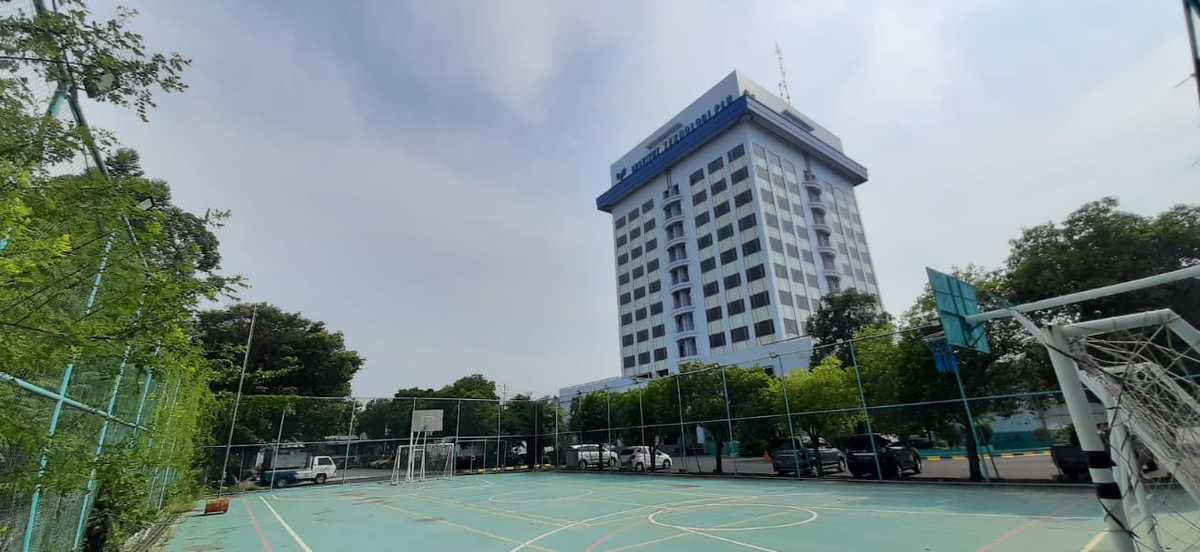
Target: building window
(760, 299)
(679, 275)
(812, 280)
(781, 271)
(659, 330)
(735, 307)
(702, 219)
(739, 175)
(639, 293)
(751, 247)
(747, 222)
(651, 245)
(704, 241)
(711, 289)
(767, 197)
(656, 308)
(622, 259)
(729, 255)
(802, 302)
(677, 252)
(785, 298)
(650, 224)
(732, 281)
(648, 205)
(687, 347)
(626, 298)
(644, 358)
(720, 209)
(641, 313)
(790, 326)
(626, 319)
(737, 153)
(627, 340)
(797, 276)
(652, 265)
(713, 314)
(696, 176)
(756, 273)
(738, 335)
(716, 165)
(635, 253)
(718, 187)
(772, 220)
(637, 272)
(699, 197)
(621, 240)
(708, 264)
(628, 361)
(635, 233)
(655, 286)
(632, 215)
(793, 251)
(742, 198)
(623, 278)
(619, 223)
(725, 232)
(660, 353)
(716, 340)
(683, 323)
(682, 299)
(776, 245)
(643, 335)
(764, 328)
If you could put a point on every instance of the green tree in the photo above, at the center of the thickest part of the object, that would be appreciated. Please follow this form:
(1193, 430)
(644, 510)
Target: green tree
(290, 354)
(838, 317)
(705, 390)
(828, 389)
(1098, 245)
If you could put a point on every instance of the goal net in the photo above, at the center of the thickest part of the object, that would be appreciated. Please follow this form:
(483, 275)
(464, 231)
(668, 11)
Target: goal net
(1145, 369)
(423, 462)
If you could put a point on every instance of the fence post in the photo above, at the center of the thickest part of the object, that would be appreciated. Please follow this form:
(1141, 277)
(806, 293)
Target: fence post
(557, 448)
(862, 399)
(728, 420)
(35, 500)
(608, 423)
(237, 400)
(787, 408)
(349, 439)
(457, 423)
(682, 435)
(499, 414)
(275, 452)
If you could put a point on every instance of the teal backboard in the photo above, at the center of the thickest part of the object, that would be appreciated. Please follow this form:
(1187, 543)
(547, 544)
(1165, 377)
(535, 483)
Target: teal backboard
(956, 300)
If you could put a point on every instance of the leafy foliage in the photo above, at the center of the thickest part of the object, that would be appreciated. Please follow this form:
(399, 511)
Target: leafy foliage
(290, 354)
(838, 318)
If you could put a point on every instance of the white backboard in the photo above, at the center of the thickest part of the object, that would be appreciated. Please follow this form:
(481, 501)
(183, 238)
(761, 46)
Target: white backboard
(427, 420)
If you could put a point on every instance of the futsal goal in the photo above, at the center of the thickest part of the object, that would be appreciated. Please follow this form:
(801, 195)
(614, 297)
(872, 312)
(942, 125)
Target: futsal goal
(422, 460)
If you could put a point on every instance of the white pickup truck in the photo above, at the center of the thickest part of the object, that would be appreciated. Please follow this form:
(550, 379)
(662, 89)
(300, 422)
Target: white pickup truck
(292, 466)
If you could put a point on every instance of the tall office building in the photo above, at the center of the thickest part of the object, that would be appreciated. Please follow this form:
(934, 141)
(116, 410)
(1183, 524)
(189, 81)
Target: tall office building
(729, 223)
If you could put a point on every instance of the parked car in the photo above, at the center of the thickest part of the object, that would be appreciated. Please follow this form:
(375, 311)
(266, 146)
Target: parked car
(590, 455)
(895, 457)
(638, 458)
(798, 455)
(292, 466)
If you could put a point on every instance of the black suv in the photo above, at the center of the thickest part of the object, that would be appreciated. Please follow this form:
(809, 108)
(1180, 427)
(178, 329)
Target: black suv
(895, 457)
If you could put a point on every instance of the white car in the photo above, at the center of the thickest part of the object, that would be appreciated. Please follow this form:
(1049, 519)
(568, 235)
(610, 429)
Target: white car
(638, 458)
(595, 455)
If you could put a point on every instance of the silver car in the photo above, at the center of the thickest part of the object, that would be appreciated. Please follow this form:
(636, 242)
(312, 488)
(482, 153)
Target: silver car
(638, 458)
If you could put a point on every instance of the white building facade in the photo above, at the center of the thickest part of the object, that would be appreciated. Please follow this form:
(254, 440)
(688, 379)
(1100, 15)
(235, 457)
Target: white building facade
(729, 223)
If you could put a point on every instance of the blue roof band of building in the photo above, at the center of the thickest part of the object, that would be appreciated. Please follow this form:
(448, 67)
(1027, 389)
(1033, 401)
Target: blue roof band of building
(743, 106)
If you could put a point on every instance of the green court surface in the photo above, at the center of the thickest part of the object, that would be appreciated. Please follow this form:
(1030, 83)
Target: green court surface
(612, 512)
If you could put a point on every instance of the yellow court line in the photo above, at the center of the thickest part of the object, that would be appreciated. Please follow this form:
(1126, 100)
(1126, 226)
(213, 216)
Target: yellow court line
(1096, 540)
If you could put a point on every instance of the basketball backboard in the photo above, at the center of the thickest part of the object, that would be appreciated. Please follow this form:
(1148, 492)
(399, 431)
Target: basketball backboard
(427, 420)
(956, 300)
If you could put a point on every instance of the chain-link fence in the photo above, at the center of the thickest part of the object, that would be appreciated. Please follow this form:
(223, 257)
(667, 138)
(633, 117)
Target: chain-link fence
(832, 421)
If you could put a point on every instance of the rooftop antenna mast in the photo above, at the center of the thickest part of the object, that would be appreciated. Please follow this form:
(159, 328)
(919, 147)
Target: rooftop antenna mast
(783, 84)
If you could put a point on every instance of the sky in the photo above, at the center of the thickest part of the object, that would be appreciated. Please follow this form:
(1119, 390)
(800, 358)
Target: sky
(422, 176)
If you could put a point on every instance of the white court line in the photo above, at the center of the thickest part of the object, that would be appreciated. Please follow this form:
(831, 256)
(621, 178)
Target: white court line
(295, 537)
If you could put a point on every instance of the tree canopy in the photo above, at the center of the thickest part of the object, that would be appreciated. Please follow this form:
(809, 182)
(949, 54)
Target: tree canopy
(838, 317)
(290, 354)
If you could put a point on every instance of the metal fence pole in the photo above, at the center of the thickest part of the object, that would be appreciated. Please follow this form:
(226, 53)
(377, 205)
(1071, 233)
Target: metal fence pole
(275, 452)
(971, 421)
(35, 500)
(499, 414)
(787, 408)
(728, 420)
(608, 423)
(557, 448)
(349, 439)
(862, 398)
(682, 435)
(457, 424)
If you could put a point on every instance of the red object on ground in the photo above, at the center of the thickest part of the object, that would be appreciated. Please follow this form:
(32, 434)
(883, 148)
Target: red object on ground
(216, 506)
